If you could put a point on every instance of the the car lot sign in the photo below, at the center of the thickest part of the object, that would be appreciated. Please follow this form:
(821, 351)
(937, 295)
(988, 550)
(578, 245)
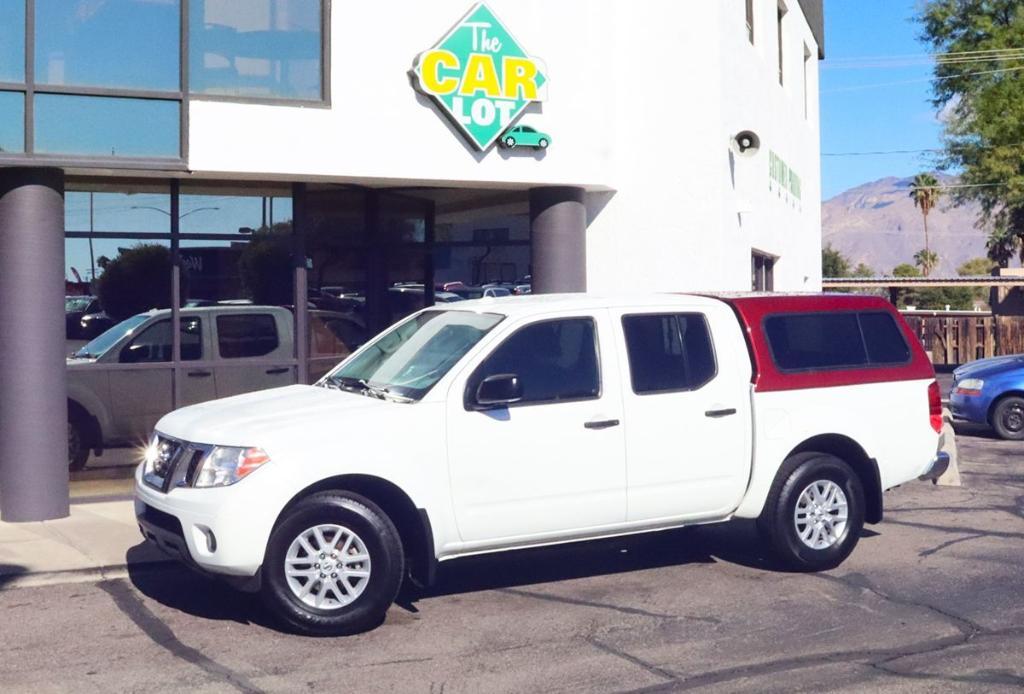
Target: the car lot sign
(480, 76)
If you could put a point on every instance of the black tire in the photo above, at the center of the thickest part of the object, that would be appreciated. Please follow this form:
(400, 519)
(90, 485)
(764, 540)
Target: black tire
(78, 443)
(383, 545)
(543, 143)
(1008, 418)
(778, 524)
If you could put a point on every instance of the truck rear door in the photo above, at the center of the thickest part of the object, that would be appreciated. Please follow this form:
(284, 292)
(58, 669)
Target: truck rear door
(686, 407)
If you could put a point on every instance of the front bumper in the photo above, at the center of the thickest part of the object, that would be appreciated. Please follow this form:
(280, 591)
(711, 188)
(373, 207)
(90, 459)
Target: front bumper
(217, 531)
(938, 467)
(969, 408)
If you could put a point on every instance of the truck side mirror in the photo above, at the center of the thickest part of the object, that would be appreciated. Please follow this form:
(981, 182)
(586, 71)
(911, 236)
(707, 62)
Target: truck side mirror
(498, 390)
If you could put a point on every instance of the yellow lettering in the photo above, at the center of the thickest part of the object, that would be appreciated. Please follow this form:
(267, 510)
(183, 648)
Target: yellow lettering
(480, 76)
(430, 72)
(520, 75)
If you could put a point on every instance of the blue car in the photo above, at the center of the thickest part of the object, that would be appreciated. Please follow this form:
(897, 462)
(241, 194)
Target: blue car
(991, 391)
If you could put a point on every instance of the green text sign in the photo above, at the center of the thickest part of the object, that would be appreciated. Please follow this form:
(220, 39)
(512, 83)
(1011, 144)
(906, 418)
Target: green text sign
(480, 76)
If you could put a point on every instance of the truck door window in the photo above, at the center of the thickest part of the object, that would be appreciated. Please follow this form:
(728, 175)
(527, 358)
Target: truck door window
(154, 343)
(811, 341)
(555, 361)
(668, 352)
(246, 335)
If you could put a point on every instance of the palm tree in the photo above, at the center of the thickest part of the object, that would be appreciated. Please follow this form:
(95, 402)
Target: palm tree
(925, 192)
(1002, 245)
(926, 260)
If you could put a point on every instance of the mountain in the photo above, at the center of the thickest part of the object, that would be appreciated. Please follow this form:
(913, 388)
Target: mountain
(877, 224)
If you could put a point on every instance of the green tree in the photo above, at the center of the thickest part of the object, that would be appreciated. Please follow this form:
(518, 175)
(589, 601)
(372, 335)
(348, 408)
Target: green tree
(976, 267)
(834, 263)
(266, 266)
(906, 297)
(137, 280)
(862, 270)
(983, 109)
(926, 260)
(925, 191)
(1002, 245)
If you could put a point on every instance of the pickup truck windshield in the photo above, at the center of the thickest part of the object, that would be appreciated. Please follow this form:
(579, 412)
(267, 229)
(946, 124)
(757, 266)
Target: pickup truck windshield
(99, 346)
(409, 359)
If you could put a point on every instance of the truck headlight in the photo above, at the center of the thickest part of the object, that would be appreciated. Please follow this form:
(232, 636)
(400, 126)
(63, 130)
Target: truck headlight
(970, 386)
(226, 465)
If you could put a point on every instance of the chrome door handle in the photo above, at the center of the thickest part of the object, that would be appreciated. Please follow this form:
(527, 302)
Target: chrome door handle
(602, 424)
(720, 413)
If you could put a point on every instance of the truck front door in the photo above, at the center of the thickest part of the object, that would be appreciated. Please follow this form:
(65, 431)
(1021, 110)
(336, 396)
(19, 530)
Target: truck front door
(686, 401)
(552, 463)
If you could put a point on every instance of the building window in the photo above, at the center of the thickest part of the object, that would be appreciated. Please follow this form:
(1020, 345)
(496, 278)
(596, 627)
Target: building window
(12, 121)
(807, 58)
(750, 21)
(261, 49)
(107, 126)
(127, 44)
(780, 15)
(762, 272)
(12, 42)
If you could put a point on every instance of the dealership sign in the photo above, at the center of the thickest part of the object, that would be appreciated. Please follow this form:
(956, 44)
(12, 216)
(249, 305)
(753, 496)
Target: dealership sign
(480, 76)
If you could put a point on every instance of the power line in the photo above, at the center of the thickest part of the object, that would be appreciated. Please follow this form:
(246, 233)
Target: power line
(860, 87)
(911, 151)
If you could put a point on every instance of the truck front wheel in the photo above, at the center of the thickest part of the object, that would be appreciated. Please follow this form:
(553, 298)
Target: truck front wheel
(333, 566)
(814, 513)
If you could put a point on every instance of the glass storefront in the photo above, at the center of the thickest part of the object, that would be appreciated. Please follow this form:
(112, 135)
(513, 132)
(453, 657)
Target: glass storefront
(223, 261)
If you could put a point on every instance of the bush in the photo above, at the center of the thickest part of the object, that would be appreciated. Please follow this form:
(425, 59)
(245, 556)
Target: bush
(137, 280)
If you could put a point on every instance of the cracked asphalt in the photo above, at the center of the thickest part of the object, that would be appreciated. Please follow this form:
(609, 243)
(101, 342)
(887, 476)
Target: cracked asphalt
(931, 600)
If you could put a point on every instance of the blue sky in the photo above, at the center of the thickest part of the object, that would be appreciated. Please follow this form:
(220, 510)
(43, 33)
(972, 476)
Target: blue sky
(858, 113)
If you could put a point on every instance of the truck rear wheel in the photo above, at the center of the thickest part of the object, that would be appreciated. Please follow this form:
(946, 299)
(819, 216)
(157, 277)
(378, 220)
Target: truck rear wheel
(333, 566)
(814, 513)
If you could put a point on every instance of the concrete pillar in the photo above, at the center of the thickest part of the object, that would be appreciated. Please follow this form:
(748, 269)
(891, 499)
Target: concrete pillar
(558, 223)
(33, 387)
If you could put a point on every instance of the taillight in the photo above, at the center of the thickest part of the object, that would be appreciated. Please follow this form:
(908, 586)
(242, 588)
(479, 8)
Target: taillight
(935, 407)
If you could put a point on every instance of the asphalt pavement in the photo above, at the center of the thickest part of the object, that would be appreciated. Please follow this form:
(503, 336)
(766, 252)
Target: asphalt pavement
(929, 601)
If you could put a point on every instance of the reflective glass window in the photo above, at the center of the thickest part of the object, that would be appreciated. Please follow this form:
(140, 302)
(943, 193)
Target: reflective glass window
(12, 41)
(139, 207)
(246, 335)
(555, 361)
(114, 43)
(12, 122)
(154, 343)
(812, 341)
(267, 49)
(670, 352)
(106, 126)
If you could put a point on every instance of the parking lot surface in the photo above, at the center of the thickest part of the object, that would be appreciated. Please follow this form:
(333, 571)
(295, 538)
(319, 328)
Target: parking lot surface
(929, 601)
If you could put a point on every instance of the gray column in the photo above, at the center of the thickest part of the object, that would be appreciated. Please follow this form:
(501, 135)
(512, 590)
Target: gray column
(33, 388)
(558, 223)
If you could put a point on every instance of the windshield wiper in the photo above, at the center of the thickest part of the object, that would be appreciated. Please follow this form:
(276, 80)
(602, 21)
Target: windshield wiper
(362, 386)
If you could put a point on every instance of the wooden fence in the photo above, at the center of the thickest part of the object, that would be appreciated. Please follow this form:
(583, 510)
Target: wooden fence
(959, 337)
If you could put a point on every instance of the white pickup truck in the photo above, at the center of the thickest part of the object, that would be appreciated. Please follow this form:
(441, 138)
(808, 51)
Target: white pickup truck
(499, 424)
(120, 383)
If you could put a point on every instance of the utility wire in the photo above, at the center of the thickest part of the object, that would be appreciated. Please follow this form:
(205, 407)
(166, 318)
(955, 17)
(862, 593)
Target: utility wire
(860, 87)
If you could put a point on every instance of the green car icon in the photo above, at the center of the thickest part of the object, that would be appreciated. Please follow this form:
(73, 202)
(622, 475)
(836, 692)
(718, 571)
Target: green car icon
(525, 136)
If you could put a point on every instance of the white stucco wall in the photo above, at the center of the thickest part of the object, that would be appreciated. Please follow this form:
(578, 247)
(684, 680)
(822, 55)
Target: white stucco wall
(642, 100)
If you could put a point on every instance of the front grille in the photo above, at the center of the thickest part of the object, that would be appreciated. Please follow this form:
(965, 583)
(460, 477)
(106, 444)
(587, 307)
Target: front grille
(162, 520)
(177, 464)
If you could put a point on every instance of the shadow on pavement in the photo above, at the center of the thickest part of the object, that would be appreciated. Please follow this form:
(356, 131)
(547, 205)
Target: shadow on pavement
(10, 572)
(176, 586)
(180, 588)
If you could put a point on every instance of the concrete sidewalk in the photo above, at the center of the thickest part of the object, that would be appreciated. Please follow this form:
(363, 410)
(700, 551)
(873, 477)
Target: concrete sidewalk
(89, 545)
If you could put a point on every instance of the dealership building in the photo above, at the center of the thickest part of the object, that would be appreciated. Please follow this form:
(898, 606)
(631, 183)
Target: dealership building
(302, 152)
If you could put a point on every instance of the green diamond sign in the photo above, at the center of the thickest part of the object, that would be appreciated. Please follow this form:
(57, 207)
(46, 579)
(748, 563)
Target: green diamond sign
(480, 76)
